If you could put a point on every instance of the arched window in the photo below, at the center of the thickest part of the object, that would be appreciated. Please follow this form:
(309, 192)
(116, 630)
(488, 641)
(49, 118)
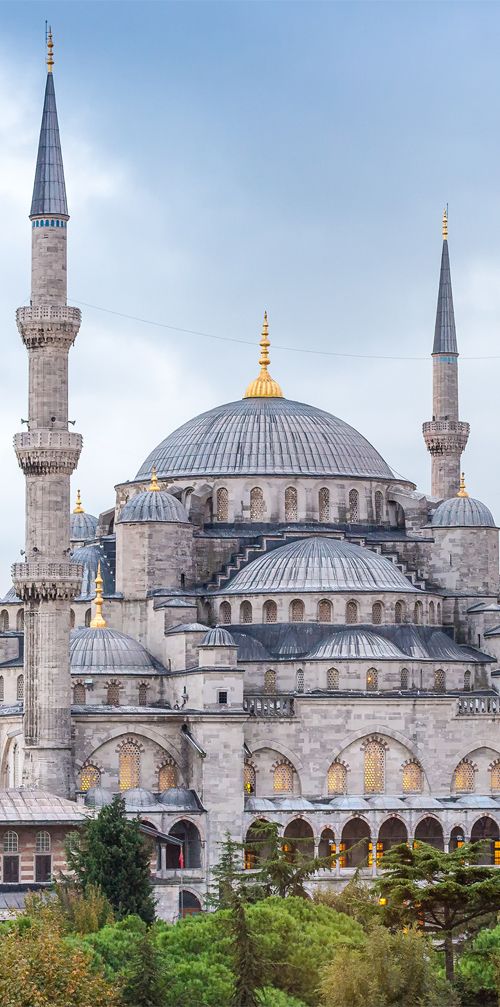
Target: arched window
(300, 681)
(72, 619)
(332, 678)
(417, 613)
(90, 776)
(377, 613)
(270, 681)
(324, 504)
(283, 778)
(432, 613)
(88, 617)
(351, 613)
(324, 610)
(379, 507)
(405, 678)
(337, 778)
(439, 680)
(290, 503)
(467, 680)
(353, 506)
(413, 778)
(249, 778)
(20, 620)
(399, 611)
(167, 776)
(495, 775)
(113, 694)
(270, 611)
(438, 613)
(143, 694)
(225, 613)
(10, 842)
(374, 770)
(4, 621)
(20, 688)
(245, 612)
(222, 504)
(42, 842)
(256, 504)
(296, 610)
(191, 846)
(2, 689)
(129, 766)
(464, 776)
(79, 694)
(371, 679)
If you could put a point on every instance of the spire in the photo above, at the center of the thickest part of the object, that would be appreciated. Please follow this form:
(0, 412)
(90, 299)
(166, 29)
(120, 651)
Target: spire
(154, 485)
(462, 492)
(264, 387)
(78, 509)
(49, 191)
(98, 622)
(445, 338)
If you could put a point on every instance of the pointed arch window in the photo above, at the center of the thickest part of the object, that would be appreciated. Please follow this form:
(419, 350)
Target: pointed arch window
(283, 778)
(464, 777)
(337, 778)
(88, 617)
(296, 610)
(432, 613)
(413, 778)
(377, 613)
(256, 504)
(90, 776)
(332, 678)
(324, 504)
(374, 768)
(351, 613)
(270, 681)
(79, 698)
(222, 504)
(467, 680)
(129, 766)
(20, 620)
(379, 507)
(405, 678)
(371, 680)
(246, 615)
(417, 613)
(325, 610)
(353, 506)
(167, 776)
(399, 611)
(249, 778)
(225, 613)
(20, 688)
(4, 621)
(270, 611)
(495, 775)
(290, 503)
(440, 680)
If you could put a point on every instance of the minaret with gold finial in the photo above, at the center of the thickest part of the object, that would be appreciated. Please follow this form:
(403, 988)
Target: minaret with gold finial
(445, 435)
(48, 453)
(264, 387)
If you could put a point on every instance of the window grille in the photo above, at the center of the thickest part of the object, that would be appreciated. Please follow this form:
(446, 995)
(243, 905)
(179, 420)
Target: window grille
(297, 610)
(372, 679)
(246, 612)
(2, 689)
(90, 776)
(300, 681)
(495, 776)
(256, 504)
(332, 678)
(353, 506)
(337, 778)
(129, 766)
(467, 680)
(222, 504)
(324, 504)
(379, 507)
(20, 687)
(399, 611)
(270, 611)
(167, 777)
(464, 776)
(20, 620)
(440, 680)
(351, 612)
(290, 503)
(417, 613)
(413, 778)
(249, 778)
(113, 694)
(283, 778)
(325, 611)
(143, 694)
(225, 613)
(432, 613)
(405, 678)
(270, 681)
(377, 613)
(374, 770)
(79, 694)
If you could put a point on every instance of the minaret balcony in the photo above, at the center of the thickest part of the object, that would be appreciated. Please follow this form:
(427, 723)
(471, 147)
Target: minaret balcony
(47, 581)
(445, 436)
(44, 324)
(44, 452)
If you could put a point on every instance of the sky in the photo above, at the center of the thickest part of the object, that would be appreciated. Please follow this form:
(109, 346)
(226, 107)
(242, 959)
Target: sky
(224, 158)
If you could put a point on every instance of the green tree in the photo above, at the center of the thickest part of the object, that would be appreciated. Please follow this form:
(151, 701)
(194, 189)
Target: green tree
(227, 874)
(278, 869)
(248, 964)
(477, 975)
(110, 853)
(145, 982)
(390, 970)
(357, 900)
(444, 893)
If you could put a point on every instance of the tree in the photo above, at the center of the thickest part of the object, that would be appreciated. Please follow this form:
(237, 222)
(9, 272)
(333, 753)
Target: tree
(443, 893)
(110, 853)
(228, 875)
(278, 871)
(145, 983)
(393, 969)
(356, 899)
(248, 964)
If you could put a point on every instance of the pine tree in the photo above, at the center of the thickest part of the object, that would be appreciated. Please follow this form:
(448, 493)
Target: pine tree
(248, 965)
(145, 983)
(110, 853)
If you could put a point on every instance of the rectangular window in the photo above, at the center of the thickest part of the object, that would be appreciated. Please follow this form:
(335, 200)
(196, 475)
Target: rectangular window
(43, 867)
(11, 870)
(222, 698)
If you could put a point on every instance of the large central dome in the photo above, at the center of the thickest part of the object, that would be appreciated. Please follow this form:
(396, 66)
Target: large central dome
(265, 436)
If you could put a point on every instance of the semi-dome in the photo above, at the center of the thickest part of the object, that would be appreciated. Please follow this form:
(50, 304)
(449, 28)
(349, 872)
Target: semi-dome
(462, 512)
(218, 637)
(107, 650)
(318, 564)
(355, 644)
(265, 436)
(153, 505)
(83, 526)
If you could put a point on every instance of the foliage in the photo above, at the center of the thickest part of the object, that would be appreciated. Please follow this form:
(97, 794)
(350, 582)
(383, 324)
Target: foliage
(271, 997)
(477, 969)
(444, 893)
(357, 900)
(248, 964)
(393, 969)
(278, 872)
(110, 853)
(145, 980)
(83, 912)
(227, 874)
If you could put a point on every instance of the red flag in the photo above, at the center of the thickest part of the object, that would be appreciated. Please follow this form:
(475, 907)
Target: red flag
(181, 857)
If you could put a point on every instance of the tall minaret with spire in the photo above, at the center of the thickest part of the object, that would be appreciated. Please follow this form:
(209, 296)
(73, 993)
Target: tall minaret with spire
(48, 453)
(445, 436)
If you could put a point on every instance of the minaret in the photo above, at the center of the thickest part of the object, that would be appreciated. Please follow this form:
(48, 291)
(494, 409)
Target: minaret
(48, 453)
(446, 436)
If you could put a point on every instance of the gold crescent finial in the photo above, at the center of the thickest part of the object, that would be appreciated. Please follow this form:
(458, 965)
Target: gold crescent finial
(154, 485)
(445, 224)
(264, 387)
(78, 509)
(50, 51)
(98, 622)
(462, 492)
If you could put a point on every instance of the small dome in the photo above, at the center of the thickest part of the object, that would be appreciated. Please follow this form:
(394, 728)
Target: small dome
(218, 637)
(153, 505)
(138, 797)
(98, 797)
(83, 527)
(107, 650)
(462, 512)
(355, 644)
(179, 797)
(89, 556)
(318, 564)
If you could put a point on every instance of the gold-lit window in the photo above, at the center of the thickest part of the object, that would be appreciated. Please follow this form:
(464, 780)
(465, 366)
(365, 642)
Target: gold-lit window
(79, 694)
(337, 778)
(413, 778)
(167, 777)
(256, 504)
(10, 842)
(351, 613)
(90, 776)
(222, 504)
(245, 612)
(283, 778)
(249, 778)
(374, 769)
(399, 611)
(464, 776)
(270, 611)
(495, 776)
(377, 613)
(379, 507)
(405, 678)
(290, 503)
(324, 504)
(20, 688)
(440, 680)
(113, 694)
(129, 770)
(42, 842)
(270, 681)
(332, 678)
(372, 679)
(325, 611)
(297, 610)
(225, 613)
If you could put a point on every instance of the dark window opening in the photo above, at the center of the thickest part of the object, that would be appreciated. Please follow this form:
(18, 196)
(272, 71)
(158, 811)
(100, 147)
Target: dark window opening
(43, 867)
(11, 870)
(222, 698)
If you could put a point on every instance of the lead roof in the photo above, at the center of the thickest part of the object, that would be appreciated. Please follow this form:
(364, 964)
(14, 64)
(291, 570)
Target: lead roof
(49, 190)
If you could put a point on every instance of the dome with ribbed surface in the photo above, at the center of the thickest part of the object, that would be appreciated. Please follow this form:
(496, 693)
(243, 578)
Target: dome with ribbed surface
(138, 797)
(83, 527)
(355, 643)
(462, 512)
(318, 564)
(107, 650)
(153, 505)
(218, 637)
(265, 436)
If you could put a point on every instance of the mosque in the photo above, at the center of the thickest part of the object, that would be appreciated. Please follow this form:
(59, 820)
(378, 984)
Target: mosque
(267, 622)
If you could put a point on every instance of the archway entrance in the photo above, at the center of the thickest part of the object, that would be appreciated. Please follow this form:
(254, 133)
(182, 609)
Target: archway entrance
(457, 838)
(486, 832)
(190, 856)
(189, 904)
(355, 841)
(298, 840)
(327, 845)
(429, 831)
(392, 833)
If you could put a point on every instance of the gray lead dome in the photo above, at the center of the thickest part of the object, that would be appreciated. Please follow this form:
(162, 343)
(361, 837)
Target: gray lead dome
(265, 437)
(153, 505)
(462, 512)
(107, 650)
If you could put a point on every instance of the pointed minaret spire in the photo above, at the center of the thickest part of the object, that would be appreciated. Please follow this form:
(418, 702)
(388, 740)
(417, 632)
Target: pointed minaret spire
(446, 436)
(49, 190)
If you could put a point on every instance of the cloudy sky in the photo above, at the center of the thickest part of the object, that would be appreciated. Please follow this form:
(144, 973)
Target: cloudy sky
(223, 158)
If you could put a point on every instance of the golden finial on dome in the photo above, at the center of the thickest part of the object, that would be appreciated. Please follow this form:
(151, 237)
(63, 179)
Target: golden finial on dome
(462, 492)
(154, 485)
(264, 387)
(98, 622)
(50, 51)
(78, 506)
(445, 224)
